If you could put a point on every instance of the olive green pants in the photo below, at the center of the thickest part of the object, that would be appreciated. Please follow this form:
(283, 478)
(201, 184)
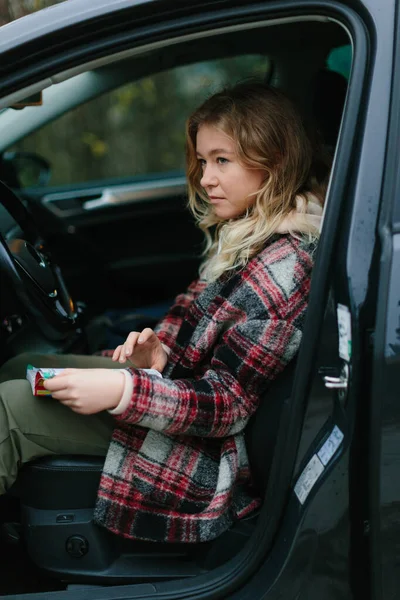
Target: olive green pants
(33, 426)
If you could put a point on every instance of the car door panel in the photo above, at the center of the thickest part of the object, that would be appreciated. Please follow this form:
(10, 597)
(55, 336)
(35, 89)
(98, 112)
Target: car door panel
(124, 244)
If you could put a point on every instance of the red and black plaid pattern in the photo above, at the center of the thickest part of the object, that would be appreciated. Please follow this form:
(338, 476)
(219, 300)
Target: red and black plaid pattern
(177, 468)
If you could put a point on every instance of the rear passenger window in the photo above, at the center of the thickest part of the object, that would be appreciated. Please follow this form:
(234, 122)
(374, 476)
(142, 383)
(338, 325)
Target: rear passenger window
(137, 129)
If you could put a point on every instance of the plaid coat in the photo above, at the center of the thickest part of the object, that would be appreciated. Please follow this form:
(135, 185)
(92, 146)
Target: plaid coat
(177, 468)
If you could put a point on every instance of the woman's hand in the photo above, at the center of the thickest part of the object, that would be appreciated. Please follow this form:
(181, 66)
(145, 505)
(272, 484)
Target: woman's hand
(144, 349)
(87, 391)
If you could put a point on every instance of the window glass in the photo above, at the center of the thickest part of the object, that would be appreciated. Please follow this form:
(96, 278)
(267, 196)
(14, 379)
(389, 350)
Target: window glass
(138, 128)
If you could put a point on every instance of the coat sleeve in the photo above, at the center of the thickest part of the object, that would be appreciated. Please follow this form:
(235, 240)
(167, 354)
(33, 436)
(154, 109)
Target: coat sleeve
(221, 402)
(167, 329)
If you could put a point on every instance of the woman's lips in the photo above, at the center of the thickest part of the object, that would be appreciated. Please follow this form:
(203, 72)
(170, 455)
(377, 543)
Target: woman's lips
(215, 199)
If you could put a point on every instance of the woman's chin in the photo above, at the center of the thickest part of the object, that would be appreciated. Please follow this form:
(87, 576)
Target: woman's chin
(226, 215)
(223, 212)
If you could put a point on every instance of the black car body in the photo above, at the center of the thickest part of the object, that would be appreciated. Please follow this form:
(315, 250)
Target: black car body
(329, 525)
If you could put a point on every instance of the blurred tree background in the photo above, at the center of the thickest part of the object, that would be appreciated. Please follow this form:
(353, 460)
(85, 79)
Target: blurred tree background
(134, 130)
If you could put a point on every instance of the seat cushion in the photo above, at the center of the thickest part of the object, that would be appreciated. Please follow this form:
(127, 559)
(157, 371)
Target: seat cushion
(59, 482)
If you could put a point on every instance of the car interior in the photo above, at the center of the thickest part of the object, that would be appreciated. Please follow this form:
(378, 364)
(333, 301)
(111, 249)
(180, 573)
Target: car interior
(94, 180)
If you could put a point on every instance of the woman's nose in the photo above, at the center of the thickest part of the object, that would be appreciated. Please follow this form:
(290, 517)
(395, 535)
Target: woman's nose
(208, 177)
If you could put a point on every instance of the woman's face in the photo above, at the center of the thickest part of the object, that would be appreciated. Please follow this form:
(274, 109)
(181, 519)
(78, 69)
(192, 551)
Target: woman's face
(228, 184)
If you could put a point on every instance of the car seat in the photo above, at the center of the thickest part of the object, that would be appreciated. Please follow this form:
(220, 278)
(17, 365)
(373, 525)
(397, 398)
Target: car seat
(57, 496)
(329, 95)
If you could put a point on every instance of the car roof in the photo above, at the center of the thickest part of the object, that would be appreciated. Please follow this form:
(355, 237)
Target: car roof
(56, 17)
(66, 14)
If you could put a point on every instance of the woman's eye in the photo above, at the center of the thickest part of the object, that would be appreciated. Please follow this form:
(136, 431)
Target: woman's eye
(202, 162)
(222, 161)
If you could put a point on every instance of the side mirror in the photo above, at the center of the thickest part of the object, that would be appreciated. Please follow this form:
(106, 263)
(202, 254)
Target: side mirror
(30, 169)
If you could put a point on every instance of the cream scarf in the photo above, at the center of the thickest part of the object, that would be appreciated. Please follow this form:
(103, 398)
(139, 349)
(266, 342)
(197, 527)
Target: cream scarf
(305, 218)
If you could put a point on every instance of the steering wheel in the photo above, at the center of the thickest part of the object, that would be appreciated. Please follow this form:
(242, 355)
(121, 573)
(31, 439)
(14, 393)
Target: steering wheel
(36, 279)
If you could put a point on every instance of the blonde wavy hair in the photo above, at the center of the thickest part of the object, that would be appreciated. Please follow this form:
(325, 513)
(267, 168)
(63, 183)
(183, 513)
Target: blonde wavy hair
(269, 135)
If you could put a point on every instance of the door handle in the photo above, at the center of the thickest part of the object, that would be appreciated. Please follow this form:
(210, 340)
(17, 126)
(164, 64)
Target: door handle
(335, 383)
(333, 380)
(77, 202)
(138, 192)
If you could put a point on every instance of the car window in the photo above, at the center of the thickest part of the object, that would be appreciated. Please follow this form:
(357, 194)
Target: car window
(136, 129)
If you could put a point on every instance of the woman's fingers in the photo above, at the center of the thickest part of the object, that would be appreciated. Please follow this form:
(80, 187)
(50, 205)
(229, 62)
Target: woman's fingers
(119, 354)
(61, 396)
(126, 350)
(145, 335)
(128, 347)
(131, 342)
(133, 338)
(116, 353)
(57, 383)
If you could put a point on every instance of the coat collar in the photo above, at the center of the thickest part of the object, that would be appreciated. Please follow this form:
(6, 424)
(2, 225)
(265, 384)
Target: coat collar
(305, 218)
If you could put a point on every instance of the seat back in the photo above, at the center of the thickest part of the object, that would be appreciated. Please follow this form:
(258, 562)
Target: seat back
(262, 430)
(330, 90)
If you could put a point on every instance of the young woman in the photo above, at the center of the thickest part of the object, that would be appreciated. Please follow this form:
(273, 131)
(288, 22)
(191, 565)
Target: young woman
(176, 467)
